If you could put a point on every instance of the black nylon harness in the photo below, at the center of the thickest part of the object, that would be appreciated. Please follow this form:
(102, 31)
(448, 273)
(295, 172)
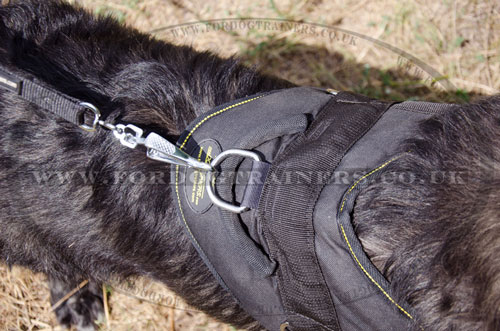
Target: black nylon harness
(292, 259)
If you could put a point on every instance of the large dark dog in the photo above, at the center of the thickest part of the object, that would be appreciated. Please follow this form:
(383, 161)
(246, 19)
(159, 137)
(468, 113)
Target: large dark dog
(436, 242)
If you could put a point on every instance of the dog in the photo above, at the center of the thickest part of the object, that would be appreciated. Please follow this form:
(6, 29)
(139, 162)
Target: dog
(435, 242)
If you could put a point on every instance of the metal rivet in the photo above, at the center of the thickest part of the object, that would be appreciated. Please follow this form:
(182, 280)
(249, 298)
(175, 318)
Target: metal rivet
(284, 326)
(332, 91)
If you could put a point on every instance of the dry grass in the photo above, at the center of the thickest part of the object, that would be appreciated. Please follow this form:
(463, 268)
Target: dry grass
(143, 305)
(459, 39)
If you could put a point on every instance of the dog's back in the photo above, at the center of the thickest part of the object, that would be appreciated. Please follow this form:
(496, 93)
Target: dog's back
(435, 241)
(436, 233)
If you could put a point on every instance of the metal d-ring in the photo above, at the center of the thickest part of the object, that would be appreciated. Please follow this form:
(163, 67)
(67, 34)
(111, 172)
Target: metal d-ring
(97, 116)
(215, 162)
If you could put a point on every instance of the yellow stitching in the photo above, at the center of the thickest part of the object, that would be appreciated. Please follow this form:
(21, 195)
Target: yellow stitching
(177, 167)
(343, 202)
(215, 114)
(349, 244)
(369, 276)
(366, 175)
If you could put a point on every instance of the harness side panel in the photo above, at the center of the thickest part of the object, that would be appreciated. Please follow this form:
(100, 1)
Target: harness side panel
(287, 210)
(359, 298)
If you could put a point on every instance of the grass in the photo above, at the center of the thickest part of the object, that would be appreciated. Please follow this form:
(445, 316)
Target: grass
(459, 39)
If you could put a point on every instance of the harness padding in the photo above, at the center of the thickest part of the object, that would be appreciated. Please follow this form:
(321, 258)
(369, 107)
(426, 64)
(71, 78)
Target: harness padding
(293, 259)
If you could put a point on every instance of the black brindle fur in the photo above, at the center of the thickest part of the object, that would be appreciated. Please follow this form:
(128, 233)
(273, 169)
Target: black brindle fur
(437, 243)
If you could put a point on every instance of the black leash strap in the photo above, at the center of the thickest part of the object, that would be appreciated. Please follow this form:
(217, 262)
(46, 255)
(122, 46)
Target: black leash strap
(87, 117)
(69, 108)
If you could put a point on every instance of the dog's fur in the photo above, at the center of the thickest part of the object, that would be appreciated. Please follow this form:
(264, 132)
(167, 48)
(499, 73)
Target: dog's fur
(436, 243)
(437, 238)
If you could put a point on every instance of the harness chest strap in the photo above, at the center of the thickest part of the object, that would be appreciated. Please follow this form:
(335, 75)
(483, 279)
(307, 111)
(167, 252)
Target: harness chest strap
(287, 211)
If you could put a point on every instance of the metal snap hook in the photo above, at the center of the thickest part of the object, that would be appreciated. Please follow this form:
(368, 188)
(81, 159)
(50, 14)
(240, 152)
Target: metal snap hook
(129, 135)
(210, 190)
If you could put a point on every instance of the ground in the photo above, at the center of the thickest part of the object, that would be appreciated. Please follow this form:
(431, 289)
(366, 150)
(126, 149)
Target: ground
(423, 50)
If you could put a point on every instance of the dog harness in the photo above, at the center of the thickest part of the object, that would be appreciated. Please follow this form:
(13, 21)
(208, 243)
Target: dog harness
(274, 227)
(265, 188)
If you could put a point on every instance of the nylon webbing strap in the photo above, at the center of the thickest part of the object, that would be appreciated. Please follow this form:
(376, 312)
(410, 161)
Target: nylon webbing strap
(59, 104)
(255, 184)
(63, 106)
(287, 207)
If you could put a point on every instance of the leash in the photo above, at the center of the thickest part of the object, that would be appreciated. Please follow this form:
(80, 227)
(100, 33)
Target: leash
(75, 111)
(158, 148)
